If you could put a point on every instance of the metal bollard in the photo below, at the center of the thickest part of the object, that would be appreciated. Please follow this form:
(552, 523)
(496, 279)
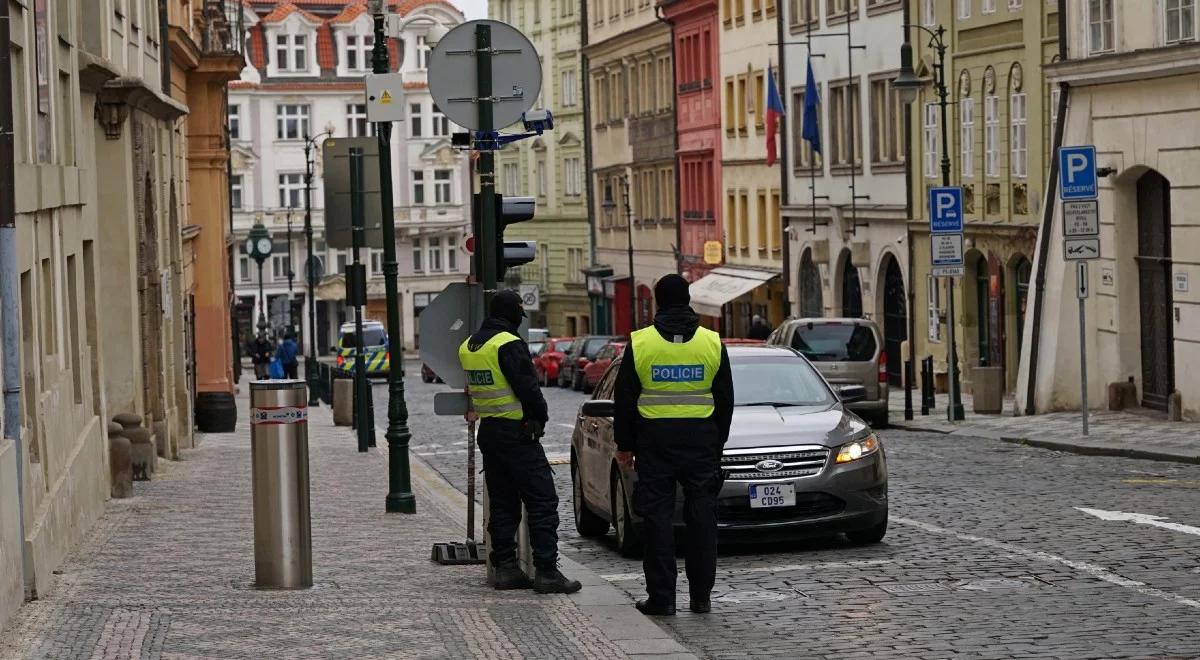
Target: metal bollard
(928, 402)
(279, 453)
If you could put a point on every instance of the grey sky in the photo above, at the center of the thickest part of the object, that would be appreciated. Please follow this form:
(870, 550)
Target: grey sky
(472, 9)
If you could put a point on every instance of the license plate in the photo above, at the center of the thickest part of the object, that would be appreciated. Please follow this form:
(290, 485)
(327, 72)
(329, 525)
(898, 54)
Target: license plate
(765, 496)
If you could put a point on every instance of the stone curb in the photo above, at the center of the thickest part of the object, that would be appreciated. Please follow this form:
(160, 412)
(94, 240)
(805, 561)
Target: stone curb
(1090, 449)
(605, 606)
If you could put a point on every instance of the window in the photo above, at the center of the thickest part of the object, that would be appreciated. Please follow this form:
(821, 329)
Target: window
(835, 8)
(376, 262)
(510, 180)
(423, 49)
(1055, 92)
(358, 52)
(572, 177)
(843, 99)
(441, 186)
(1014, 4)
(414, 119)
(731, 225)
(1018, 140)
(760, 92)
(235, 122)
(575, 265)
(291, 52)
(934, 296)
(988, 7)
(1180, 17)
(743, 107)
(800, 147)
(776, 223)
(452, 254)
(356, 121)
(235, 191)
(243, 273)
(1100, 25)
(439, 123)
(418, 184)
(569, 92)
(568, 8)
(929, 12)
(930, 139)
(966, 136)
(541, 177)
(991, 135)
(762, 220)
(280, 267)
(290, 187)
(804, 11)
(418, 252)
(341, 258)
(291, 122)
(964, 9)
(434, 252)
(887, 118)
(744, 219)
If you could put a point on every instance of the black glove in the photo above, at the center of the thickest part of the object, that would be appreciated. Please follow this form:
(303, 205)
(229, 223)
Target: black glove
(535, 428)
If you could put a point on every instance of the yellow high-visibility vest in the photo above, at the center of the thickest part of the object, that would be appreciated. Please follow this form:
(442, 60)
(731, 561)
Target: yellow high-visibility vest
(490, 393)
(676, 378)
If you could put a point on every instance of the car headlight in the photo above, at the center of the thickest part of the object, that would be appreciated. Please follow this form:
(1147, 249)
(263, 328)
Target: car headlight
(852, 451)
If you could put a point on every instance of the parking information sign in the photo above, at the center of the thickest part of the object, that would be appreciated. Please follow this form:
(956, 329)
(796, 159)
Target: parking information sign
(945, 210)
(1077, 172)
(947, 250)
(1081, 218)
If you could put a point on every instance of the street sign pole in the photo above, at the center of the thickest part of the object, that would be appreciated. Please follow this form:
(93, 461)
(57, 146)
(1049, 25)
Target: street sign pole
(362, 421)
(1081, 289)
(946, 229)
(487, 161)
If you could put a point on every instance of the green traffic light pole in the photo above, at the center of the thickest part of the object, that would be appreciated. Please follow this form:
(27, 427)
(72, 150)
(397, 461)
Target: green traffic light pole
(400, 497)
(487, 162)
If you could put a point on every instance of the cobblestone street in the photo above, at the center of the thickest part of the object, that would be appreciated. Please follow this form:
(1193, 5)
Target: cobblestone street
(987, 556)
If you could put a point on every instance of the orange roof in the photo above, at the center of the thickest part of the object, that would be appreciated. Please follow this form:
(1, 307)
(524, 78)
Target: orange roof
(351, 12)
(403, 7)
(285, 9)
(325, 56)
(258, 49)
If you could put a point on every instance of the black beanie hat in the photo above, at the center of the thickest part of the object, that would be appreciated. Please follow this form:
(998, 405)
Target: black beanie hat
(672, 290)
(506, 305)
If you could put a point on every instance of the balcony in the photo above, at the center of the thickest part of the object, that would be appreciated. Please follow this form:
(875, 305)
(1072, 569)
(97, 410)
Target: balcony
(221, 27)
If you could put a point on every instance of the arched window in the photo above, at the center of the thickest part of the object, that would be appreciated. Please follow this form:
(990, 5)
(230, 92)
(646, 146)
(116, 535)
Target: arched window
(810, 288)
(851, 290)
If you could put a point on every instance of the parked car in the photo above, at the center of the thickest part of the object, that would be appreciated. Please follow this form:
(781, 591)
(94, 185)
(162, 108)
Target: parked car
(535, 347)
(584, 350)
(537, 334)
(547, 362)
(846, 352)
(797, 463)
(735, 341)
(375, 348)
(595, 369)
(428, 376)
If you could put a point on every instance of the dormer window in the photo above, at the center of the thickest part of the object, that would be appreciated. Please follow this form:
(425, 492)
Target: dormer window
(423, 49)
(291, 52)
(358, 52)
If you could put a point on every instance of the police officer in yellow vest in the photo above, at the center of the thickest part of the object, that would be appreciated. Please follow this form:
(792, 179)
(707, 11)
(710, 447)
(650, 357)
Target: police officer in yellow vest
(506, 397)
(674, 405)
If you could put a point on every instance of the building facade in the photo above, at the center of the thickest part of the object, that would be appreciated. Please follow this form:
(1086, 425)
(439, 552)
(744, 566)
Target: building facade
(550, 168)
(695, 32)
(304, 85)
(846, 213)
(631, 142)
(1131, 70)
(998, 151)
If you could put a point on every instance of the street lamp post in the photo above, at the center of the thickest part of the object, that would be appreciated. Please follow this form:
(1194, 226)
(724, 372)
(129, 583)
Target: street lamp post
(609, 205)
(908, 84)
(290, 273)
(258, 247)
(400, 497)
(315, 385)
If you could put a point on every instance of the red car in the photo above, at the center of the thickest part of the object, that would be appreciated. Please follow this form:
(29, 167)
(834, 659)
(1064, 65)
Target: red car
(549, 359)
(595, 369)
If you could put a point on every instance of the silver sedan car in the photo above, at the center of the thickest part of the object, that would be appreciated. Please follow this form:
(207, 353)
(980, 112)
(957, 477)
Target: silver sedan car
(797, 463)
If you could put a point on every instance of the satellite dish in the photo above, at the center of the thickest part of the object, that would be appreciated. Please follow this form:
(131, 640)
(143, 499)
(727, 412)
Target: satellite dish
(516, 75)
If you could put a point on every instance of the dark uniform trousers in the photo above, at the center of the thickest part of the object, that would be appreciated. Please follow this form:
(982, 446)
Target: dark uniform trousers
(687, 452)
(516, 470)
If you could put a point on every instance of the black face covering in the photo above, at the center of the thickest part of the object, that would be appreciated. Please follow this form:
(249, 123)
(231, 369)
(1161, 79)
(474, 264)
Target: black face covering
(671, 291)
(506, 306)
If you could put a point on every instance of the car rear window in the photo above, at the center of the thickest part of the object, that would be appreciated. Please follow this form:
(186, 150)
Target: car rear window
(593, 346)
(835, 342)
(536, 347)
(563, 346)
(371, 337)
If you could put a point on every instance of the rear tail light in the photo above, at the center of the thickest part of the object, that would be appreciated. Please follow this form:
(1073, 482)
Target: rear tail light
(341, 360)
(883, 372)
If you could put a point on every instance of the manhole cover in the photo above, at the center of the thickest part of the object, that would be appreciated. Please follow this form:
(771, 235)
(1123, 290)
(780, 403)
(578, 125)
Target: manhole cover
(754, 596)
(991, 584)
(914, 588)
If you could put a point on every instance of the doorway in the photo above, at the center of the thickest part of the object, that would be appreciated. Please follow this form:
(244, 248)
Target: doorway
(1154, 289)
(810, 288)
(895, 319)
(851, 289)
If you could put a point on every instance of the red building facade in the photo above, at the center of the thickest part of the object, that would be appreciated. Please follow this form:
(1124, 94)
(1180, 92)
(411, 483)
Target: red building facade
(698, 126)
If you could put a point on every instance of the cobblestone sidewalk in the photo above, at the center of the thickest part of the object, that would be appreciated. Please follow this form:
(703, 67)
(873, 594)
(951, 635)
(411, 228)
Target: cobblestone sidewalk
(1133, 433)
(168, 574)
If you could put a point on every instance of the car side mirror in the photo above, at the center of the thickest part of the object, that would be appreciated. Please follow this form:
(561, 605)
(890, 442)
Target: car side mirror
(852, 393)
(598, 408)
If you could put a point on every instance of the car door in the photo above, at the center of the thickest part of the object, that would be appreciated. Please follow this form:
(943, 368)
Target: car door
(598, 447)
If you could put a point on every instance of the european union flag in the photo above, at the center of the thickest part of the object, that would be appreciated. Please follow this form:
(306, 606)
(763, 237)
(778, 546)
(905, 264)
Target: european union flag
(811, 128)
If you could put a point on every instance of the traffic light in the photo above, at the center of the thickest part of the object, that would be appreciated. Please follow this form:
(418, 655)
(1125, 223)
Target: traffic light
(509, 254)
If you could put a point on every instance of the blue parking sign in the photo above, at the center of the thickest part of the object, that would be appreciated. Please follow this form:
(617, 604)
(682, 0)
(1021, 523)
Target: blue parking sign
(1077, 172)
(945, 210)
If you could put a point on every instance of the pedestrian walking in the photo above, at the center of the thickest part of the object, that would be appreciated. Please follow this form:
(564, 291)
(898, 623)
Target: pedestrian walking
(759, 328)
(261, 350)
(507, 399)
(287, 354)
(674, 405)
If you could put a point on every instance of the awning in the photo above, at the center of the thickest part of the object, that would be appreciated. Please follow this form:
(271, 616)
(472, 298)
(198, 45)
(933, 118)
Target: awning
(721, 285)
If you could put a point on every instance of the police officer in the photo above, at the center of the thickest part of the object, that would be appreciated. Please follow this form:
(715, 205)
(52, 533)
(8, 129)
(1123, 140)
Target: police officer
(507, 399)
(674, 404)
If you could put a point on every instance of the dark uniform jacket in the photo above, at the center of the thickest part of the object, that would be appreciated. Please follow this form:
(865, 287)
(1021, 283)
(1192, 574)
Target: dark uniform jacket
(628, 424)
(517, 367)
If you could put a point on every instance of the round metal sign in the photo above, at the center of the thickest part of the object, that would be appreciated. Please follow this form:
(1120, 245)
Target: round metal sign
(453, 79)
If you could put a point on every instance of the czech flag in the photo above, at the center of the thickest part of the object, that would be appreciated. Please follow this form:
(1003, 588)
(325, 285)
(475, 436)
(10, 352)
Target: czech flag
(774, 112)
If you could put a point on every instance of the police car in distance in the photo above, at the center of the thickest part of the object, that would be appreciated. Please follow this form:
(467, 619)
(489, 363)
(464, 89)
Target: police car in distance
(375, 348)
(798, 462)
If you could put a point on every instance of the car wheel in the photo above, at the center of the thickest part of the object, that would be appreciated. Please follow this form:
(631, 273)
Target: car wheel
(880, 421)
(629, 542)
(561, 381)
(869, 535)
(588, 524)
(577, 382)
(588, 387)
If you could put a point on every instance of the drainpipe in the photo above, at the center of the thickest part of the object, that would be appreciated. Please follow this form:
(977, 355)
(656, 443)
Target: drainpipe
(678, 249)
(586, 80)
(784, 179)
(10, 331)
(910, 369)
(1044, 233)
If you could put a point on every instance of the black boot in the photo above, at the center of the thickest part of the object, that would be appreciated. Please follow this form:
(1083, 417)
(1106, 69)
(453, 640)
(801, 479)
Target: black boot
(701, 605)
(654, 609)
(510, 576)
(552, 581)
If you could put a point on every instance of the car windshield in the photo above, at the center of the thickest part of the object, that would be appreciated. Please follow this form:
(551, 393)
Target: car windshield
(536, 347)
(593, 346)
(777, 381)
(835, 342)
(371, 337)
(563, 346)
